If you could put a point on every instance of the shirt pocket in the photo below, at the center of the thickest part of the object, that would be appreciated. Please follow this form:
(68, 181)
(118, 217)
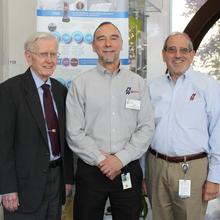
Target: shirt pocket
(133, 97)
(192, 114)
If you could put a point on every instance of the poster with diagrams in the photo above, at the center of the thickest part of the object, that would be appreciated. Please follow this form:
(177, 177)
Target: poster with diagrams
(73, 23)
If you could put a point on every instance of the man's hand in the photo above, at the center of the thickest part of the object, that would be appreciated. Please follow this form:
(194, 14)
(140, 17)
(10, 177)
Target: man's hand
(111, 166)
(69, 189)
(10, 201)
(210, 191)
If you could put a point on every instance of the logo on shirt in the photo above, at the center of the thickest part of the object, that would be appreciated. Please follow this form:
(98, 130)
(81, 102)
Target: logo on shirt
(192, 97)
(128, 91)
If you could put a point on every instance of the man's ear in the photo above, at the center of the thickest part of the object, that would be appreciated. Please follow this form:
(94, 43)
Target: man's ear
(163, 55)
(192, 54)
(93, 48)
(121, 45)
(28, 57)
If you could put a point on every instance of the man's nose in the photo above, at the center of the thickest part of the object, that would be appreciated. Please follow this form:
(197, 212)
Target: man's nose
(107, 42)
(178, 53)
(49, 58)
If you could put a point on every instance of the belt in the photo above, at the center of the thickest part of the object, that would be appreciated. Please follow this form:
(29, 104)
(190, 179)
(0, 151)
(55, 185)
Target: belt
(178, 159)
(55, 163)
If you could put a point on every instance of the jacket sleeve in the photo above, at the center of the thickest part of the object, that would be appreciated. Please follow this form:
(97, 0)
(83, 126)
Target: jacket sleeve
(68, 165)
(68, 154)
(8, 182)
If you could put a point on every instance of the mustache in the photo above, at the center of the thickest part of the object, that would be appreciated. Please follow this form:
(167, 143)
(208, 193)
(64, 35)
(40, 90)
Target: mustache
(108, 50)
(179, 58)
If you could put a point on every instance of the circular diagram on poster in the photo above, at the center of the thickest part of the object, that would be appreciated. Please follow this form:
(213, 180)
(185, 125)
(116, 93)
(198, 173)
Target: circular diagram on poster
(77, 36)
(66, 38)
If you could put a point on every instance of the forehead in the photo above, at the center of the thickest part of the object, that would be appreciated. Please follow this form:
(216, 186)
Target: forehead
(178, 40)
(107, 30)
(46, 43)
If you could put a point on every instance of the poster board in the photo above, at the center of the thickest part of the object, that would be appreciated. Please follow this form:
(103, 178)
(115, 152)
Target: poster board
(73, 23)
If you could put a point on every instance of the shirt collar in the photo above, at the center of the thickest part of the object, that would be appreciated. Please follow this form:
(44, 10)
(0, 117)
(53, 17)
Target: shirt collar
(104, 71)
(184, 75)
(38, 81)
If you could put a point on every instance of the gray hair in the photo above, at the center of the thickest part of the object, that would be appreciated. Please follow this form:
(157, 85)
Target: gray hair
(31, 41)
(190, 44)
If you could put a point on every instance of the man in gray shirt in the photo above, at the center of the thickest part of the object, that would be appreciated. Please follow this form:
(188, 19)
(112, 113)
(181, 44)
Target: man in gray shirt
(109, 126)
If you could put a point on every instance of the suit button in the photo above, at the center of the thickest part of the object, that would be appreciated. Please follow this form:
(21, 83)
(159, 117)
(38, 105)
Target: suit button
(44, 170)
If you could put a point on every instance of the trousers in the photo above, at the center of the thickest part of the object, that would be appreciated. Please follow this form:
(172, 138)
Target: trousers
(163, 186)
(93, 188)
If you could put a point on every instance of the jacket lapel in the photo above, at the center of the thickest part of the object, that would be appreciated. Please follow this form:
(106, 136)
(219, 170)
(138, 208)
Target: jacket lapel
(58, 98)
(33, 101)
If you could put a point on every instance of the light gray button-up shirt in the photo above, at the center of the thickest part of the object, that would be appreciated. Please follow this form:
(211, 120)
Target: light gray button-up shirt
(99, 120)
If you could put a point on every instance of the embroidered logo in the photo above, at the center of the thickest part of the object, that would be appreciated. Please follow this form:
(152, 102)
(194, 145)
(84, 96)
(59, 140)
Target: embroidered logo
(192, 97)
(128, 91)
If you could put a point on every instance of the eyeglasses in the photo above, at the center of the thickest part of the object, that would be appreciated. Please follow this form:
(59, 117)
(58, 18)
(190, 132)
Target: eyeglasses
(173, 50)
(45, 55)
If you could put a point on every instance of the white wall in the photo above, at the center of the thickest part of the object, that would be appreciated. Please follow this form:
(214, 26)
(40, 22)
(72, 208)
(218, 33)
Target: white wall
(158, 28)
(18, 23)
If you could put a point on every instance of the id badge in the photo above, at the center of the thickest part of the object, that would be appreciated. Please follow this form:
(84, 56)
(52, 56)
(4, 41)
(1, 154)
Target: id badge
(126, 181)
(184, 188)
(133, 104)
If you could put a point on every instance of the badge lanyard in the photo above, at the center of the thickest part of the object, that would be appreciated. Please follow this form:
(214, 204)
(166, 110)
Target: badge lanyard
(184, 184)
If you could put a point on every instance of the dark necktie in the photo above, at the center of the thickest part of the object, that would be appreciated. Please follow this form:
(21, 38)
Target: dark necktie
(51, 120)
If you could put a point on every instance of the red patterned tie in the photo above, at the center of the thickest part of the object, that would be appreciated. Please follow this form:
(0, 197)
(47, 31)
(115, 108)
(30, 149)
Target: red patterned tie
(51, 120)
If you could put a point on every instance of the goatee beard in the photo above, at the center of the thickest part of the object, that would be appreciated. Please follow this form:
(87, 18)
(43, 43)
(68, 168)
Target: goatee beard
(108, 60)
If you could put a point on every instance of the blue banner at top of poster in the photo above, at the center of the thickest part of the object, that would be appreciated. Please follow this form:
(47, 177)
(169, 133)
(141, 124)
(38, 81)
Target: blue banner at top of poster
(93, 14)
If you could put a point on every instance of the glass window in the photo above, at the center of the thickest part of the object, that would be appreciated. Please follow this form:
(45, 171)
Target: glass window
(207, 58)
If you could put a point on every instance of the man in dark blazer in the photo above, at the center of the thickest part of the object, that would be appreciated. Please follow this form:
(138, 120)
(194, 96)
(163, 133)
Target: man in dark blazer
(33, 179)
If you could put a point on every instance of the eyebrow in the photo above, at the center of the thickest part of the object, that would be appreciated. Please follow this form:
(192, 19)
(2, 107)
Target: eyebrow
(113, 35)
(101, 36)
